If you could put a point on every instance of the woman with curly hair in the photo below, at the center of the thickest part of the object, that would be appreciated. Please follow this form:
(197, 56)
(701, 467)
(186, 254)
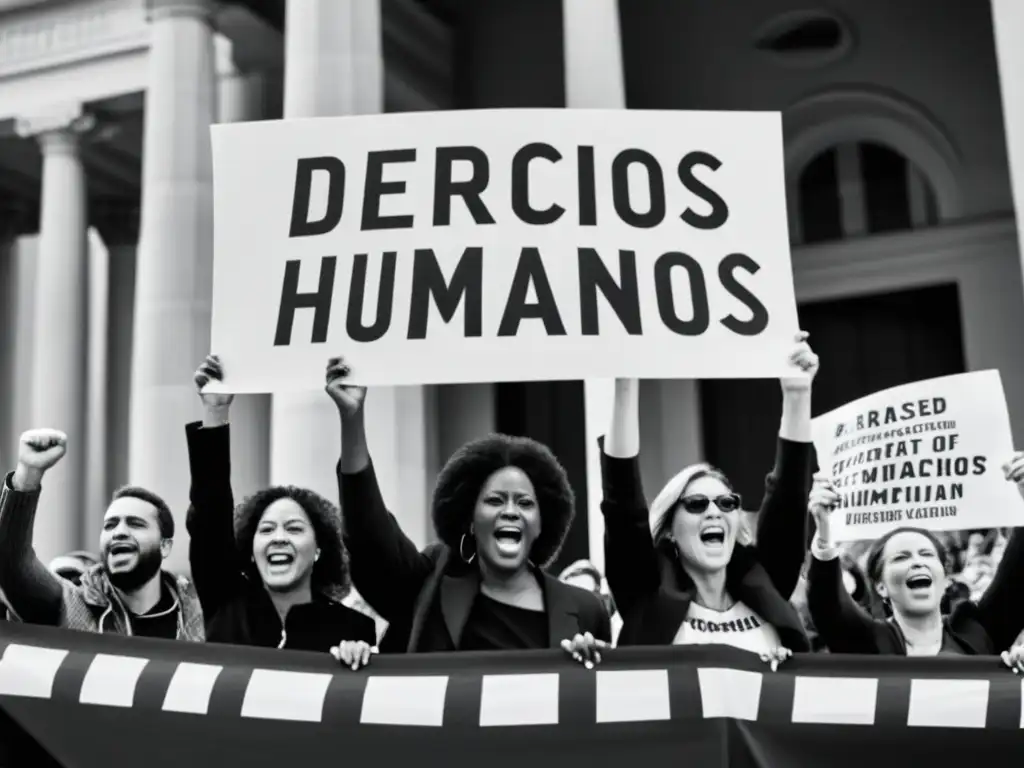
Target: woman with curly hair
(274, 572)
(684, 571)
(501, 508)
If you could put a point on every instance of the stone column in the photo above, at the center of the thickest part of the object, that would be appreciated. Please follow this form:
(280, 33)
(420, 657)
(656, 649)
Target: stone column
(173, 288)
(97, 452)
(120, 325)
(61, 321)
(8, 335)
(240, 98)
(118, 227)
(334, 66)
(1008, 27)
(594, 79)
(26, 266)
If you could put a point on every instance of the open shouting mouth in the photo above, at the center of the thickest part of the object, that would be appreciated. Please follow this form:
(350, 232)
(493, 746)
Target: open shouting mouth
(509, 539)
(280, 560)
(713, 536)
(919, 581)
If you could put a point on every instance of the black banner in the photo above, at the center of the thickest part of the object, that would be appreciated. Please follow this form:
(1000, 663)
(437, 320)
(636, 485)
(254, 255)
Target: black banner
(92, 700)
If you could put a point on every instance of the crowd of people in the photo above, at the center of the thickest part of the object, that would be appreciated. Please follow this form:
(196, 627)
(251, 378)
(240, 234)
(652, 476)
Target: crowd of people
(279, 569)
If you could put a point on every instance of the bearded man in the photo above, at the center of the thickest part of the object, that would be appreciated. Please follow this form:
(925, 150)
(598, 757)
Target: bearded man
(127, 593)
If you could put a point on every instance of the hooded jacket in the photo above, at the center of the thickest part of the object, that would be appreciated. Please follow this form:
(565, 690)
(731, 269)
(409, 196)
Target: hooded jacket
(96, 607)
(37, 596)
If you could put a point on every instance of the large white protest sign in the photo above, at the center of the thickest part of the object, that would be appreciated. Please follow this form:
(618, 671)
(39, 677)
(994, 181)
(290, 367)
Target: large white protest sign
(927, 455)
(501, 245)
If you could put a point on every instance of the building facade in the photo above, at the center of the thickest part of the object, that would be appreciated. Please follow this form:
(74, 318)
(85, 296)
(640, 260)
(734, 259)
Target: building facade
(898, 116)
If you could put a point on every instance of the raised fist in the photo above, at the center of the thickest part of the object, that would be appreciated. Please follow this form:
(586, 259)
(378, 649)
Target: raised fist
(347, 397)
(211, 370)
(823, 501)
(802, 359)
(40, 449)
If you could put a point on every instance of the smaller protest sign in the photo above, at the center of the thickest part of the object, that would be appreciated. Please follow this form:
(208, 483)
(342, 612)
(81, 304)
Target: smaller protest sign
(927, 454)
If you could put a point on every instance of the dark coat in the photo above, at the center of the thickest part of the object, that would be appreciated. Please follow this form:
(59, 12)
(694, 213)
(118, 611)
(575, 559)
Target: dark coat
(652, 590)
(238, 610)
(427, 596)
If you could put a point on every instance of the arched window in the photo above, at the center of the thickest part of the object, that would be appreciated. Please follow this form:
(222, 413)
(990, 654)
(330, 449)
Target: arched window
(860, 188)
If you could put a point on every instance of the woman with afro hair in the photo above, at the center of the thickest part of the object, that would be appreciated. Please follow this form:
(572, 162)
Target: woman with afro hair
(274, 571)
(501, 508)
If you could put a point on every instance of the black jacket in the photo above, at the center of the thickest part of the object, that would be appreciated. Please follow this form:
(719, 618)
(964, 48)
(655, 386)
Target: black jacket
(652, 590)
(237, 609)
(426, 597)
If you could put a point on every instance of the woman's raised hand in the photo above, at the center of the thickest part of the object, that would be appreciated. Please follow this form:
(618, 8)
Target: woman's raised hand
(823, 501)
(1014, 470)
(347, 397)
(585, 649)
(211, 370)
(803, 359)
(354, 654)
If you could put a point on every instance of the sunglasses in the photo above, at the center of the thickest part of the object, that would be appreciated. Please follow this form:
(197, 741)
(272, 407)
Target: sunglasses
(698, 503)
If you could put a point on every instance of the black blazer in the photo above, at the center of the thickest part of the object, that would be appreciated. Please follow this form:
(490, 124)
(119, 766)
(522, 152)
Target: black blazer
(652, 590)
(237, 610)
(426, 597)
(985, 628)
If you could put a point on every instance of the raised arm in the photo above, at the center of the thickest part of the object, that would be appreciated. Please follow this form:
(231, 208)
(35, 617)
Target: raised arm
(386, 567)
(782, 519)
(32, 592)
(631, 563)
(841, 624)
(216, 564)
(1001, 609)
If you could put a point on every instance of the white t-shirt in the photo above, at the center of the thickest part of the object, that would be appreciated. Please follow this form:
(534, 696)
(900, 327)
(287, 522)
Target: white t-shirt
(739, 627)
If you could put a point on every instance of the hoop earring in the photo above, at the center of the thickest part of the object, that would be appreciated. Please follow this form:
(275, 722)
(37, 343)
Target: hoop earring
(466, 560)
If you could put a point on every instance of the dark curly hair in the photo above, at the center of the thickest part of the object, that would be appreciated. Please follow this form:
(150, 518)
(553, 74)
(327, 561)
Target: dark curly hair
(459, 484)
(330, 576)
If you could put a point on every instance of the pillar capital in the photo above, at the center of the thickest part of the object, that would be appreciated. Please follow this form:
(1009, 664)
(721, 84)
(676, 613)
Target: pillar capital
(197, 9)
(58, 128)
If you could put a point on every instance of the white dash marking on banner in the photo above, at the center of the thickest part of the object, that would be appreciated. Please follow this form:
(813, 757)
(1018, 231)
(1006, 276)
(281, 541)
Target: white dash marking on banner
(948, 703)
(519, 700)
(110, 680)
(731, 693)
(632, 696)
(26, 670)
(191, 687)
(274, 694)
(404, 700)
(835, 700)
